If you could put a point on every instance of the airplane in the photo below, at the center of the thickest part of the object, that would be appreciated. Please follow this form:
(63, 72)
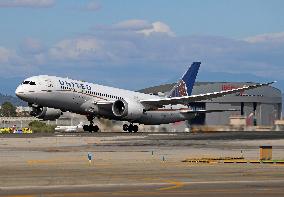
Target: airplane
(50, 96)
(77, 128)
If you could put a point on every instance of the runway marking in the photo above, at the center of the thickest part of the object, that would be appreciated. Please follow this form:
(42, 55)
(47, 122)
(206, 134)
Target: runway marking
(162, 134)
(24, 195)
(103, 185)
(54, 161)
(156, 193)
(177, 184)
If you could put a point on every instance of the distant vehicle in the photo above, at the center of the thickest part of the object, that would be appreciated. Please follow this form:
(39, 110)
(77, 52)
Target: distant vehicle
(27, 130)
(49, 96)
(24, 130)
(6, 130)
(14, 130)
(18, 131)
(77, 128)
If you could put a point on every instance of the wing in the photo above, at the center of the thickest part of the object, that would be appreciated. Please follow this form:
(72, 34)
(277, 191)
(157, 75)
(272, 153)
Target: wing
(160, 102)
(189, 110)
(202, 111)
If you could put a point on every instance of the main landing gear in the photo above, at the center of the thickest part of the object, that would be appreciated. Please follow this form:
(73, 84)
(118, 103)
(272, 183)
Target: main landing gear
(130, 128)
(91, 128)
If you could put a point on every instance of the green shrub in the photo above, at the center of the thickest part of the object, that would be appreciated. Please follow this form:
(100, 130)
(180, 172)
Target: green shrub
(41, 127)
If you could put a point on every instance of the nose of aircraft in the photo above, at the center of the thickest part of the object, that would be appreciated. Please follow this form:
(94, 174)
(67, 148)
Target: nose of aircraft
(19, 92)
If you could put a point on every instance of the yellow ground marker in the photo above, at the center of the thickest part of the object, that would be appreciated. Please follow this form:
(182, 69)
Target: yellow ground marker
(176, 184)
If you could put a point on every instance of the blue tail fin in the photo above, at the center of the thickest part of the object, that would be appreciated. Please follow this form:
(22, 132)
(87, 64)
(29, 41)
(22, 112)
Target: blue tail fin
(185, 85)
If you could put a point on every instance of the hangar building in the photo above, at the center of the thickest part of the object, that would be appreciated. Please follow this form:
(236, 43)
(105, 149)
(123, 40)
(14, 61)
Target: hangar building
(261, 106)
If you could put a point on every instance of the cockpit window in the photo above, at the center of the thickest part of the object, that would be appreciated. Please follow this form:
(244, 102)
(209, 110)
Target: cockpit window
(29, 82)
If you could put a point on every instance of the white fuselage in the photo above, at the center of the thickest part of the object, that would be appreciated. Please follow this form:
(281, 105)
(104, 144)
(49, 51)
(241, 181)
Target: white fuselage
(81, 97)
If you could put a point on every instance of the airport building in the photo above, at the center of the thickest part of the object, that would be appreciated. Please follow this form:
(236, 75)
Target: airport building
(261, 106)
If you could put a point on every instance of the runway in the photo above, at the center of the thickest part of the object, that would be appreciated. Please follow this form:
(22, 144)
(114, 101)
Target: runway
(172, 188)
(138, 165)
(227, 135)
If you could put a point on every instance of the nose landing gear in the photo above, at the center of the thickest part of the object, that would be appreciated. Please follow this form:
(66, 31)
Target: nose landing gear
(91, 127)
(130, 128)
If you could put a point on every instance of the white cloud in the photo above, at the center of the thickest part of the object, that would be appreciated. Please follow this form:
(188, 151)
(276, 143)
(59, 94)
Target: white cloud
(12, 64)
(134, 42)
(27, 3)
(269, 37)
(75, 49)
(135, 48)
(93, 6)
(157, 27)
(32, 45)
(5, 55)
(133, 24)
(140, 27)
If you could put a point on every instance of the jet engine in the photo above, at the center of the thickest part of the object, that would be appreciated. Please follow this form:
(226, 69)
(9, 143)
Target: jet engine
(130, 109)
(46, 113)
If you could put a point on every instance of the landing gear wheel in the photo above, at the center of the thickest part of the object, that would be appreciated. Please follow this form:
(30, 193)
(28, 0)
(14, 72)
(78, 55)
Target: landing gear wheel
(86, 128)
(91, 128)
(130, 128)
(125, 127)
(96, 128)
(135, 128)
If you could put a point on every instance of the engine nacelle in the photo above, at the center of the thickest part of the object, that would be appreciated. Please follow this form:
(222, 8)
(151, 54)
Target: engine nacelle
(46, 113)
(130, 109)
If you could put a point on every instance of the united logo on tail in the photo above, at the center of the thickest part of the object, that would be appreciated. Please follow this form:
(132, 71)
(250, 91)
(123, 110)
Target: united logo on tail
(181, 89)
(185, 85)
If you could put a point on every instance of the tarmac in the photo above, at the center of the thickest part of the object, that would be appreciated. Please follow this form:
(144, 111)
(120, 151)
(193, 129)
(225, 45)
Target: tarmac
(141, 164)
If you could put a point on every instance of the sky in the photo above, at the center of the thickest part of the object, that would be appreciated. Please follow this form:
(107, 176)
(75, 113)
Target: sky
(135, 44)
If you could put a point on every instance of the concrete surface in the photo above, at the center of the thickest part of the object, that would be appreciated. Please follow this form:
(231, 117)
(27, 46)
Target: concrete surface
(123, 165)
